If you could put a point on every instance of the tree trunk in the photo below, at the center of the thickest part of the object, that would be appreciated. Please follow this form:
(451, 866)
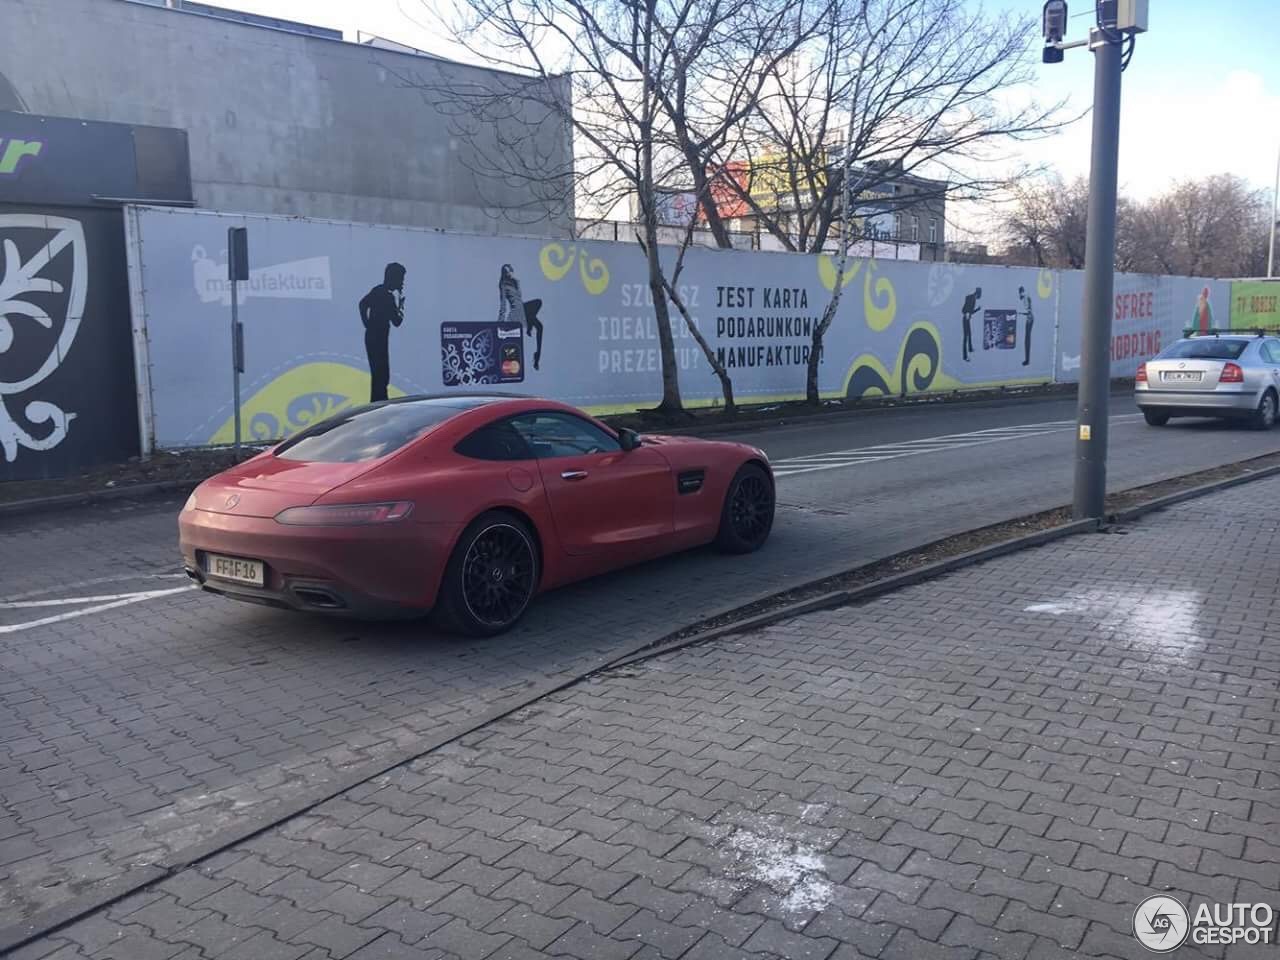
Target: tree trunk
(714, 221)
(811, 394)
(671, 406)
(726, 382)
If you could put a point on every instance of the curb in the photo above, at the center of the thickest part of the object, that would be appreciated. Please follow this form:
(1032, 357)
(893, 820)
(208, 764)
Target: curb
(1025, 394)
(868, 591)
(49, 921)
(135, 491)
(1159, 503)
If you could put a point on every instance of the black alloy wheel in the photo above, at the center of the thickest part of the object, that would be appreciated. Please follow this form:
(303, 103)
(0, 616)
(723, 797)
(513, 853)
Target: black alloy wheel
(497, 575)
(747, 516)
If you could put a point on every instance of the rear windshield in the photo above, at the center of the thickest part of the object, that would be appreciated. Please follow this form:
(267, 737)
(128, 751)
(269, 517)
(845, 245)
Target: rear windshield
(1210, 348)
(365, 433)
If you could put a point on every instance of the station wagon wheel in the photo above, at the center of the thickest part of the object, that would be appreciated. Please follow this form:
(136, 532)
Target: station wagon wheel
(1155, 418)
(747, 516)
(491, 577)
(1264, 418)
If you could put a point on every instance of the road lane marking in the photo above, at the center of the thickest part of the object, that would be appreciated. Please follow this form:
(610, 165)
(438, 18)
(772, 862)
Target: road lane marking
(96, 581)
(124, 601)
(69, 601)
(811, 463)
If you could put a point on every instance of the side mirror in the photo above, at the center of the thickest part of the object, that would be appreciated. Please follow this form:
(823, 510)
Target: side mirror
(628, 439)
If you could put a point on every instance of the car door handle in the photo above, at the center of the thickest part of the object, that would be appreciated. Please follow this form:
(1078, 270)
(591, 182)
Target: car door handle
(574, 475)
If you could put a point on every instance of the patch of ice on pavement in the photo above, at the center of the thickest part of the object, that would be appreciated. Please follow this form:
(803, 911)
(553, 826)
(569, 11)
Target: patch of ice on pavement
(1163, 621)
(1056, 608)
(790, 869)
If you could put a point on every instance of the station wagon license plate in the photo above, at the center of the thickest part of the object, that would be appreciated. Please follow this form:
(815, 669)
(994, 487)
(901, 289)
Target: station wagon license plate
(1183, 376)
(237, 569)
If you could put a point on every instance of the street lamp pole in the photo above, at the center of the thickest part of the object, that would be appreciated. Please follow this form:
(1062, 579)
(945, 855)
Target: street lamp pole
(1099, 280)
(1118, 21)
(1275, 214)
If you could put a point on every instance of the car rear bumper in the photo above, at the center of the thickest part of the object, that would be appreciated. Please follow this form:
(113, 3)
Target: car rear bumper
(391, 570)
(1191, 403)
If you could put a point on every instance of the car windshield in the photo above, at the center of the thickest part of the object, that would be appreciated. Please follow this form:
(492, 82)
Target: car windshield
(1211, 348)
(366, 433)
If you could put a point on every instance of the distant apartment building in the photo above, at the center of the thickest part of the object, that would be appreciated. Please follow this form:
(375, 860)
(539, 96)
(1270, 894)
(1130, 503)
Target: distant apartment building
(895, 215)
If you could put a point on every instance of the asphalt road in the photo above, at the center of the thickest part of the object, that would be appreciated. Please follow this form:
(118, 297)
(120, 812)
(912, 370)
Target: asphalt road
(139, 717)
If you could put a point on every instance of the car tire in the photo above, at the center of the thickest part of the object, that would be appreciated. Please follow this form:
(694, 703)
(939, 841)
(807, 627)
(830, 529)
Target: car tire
(746, 518)
(1155, 418)
(1264, 418)
(491, 577)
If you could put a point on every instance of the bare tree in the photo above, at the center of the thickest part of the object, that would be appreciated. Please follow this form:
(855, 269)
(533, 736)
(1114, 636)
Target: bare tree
(921, 88)
(643, 86)
(1044, 224)
(881, 92)
(894, 87)
(1211, 227)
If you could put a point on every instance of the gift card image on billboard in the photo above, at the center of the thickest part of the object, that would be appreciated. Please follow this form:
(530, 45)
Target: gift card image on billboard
(999, 329)
(480, 353)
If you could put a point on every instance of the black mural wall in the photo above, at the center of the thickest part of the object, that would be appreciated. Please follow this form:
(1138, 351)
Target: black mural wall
(67, 396)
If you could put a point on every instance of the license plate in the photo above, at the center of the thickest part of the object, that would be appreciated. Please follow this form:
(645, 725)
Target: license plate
(234, 568)
(1183, 376)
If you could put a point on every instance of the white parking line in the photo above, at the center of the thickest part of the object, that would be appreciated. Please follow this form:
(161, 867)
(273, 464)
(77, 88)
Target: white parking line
(123, 600)
(72, 601)
(792, 466)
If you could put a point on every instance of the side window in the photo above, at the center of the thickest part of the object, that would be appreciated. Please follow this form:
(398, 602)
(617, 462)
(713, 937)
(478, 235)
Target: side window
(495, 441)
(1271, 351)
(553, 434)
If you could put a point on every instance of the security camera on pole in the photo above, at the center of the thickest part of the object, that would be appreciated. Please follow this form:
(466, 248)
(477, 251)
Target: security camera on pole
(1118, 22)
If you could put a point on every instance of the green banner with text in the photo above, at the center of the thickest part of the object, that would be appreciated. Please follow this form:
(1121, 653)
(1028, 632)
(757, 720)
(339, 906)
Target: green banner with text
(1255, 304)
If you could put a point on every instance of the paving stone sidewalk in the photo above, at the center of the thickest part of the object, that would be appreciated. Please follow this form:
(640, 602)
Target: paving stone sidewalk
(999, 763)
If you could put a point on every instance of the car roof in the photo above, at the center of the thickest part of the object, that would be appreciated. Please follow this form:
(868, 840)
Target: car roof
(458, 401)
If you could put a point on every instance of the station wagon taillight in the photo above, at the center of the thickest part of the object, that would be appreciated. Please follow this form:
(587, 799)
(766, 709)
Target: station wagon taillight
(1231, 373)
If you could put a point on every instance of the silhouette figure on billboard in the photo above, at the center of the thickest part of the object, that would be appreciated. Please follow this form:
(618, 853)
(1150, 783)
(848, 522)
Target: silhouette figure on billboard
(966, 314)
(1025, 299)
(381, 309)
(511, 303)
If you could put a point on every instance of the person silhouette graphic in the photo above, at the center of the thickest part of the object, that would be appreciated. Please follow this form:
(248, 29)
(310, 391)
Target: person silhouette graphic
(381, 309)
(1025, 299)
(511, 303)
(966, 315)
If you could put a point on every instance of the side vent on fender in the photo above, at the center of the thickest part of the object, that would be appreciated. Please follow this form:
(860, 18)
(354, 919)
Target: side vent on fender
(690, 481)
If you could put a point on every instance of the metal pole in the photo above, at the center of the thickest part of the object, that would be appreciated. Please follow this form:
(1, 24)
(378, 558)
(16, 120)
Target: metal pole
(235, 356)
(1275, 212)
(1099, 282)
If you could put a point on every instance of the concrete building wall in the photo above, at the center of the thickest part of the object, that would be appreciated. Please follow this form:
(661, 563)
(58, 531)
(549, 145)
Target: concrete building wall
(285, 123)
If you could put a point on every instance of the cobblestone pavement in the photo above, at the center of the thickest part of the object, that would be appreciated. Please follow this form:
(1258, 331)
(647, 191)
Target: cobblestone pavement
(999, 763)
(135, 732)
(138, 731)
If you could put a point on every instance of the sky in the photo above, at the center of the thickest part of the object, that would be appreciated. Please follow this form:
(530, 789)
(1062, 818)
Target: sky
(1201, 96)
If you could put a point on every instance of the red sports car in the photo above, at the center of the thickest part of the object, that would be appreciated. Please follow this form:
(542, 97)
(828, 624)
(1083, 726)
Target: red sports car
(465, 505)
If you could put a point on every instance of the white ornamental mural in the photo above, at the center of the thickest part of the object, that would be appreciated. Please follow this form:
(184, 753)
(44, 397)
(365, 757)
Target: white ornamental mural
(42, 296)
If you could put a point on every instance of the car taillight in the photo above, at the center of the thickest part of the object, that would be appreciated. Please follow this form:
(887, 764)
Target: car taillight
(345, 514)
(1231, 373)
(1141, 376)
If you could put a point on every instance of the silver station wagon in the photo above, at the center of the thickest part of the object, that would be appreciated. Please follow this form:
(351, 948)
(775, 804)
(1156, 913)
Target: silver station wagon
(1213, 375)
